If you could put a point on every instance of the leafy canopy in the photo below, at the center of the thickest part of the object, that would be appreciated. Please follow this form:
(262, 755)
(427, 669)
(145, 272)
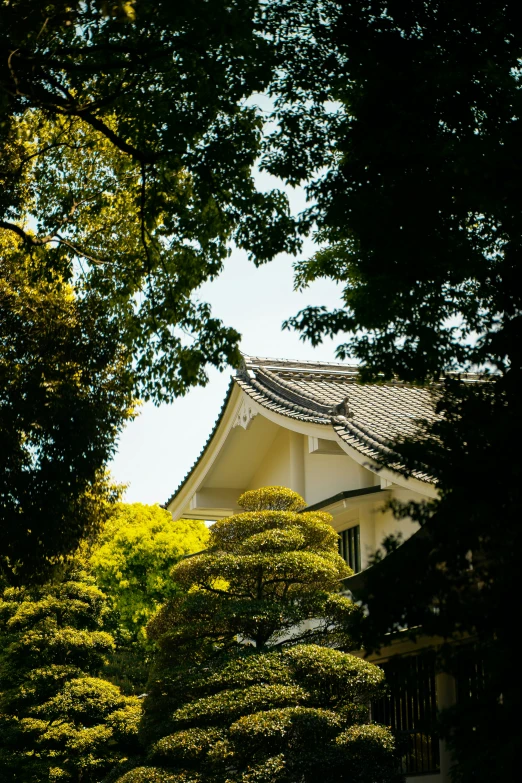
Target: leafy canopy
(264, 573)
(133, 557)
(128, 138)
(65, 393)
(403, 120)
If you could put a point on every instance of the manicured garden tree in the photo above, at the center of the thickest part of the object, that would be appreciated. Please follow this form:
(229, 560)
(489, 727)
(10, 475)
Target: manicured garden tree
(251, 685)
(59, 720)
(132, 561)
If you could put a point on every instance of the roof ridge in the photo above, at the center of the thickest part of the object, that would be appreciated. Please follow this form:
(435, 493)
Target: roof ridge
(296, 396)
(346, 369)
(296, 364)
(383, 413)
(276, 398)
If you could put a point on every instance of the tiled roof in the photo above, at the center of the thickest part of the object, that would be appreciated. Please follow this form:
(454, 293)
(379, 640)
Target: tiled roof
(375, 414)
(310, 391)
(303, 390)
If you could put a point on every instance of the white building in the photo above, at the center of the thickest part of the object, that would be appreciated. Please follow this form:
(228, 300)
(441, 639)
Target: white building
(313, 428)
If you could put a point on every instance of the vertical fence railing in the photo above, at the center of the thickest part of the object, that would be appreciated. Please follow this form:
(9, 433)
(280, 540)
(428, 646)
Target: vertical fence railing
(410, 708)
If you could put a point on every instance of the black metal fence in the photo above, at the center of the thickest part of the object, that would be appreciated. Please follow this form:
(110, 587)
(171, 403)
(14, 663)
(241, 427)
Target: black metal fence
(410, 708)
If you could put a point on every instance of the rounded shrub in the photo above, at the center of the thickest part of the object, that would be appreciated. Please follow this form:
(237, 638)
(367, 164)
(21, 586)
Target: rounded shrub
(271, 499)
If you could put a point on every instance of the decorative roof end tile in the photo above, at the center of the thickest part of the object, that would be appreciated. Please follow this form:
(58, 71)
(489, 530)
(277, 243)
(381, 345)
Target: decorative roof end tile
(341, 411)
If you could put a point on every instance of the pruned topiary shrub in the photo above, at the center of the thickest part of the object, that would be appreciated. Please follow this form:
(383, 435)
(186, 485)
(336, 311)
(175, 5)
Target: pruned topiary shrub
(249, 687)
(271, 499)
(59, 720)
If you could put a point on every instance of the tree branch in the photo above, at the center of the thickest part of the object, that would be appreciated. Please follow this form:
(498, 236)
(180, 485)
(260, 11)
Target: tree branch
(35, 241)
(28, 238)
(142, 157)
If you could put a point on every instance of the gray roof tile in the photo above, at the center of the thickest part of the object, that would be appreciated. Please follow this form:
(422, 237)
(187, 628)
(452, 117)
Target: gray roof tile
(307, 391)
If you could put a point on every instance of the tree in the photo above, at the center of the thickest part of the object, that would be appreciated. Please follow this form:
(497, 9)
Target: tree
(248, 686)
(65, 393)
(60, 720)
(131, 561)
(403, 119)
(128, 139)
(462, 569)
(128, 143)
(133, 558)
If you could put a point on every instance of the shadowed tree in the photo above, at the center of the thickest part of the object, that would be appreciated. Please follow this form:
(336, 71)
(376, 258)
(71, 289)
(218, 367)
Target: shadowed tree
(403, 120)
(65, 393)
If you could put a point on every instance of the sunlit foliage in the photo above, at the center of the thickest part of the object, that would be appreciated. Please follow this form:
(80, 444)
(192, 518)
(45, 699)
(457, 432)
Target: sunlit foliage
(133, 557)
(128, 140)
(247, 687)
(59, 720)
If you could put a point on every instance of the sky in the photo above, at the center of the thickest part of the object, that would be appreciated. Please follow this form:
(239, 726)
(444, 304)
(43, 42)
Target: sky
(158, 448)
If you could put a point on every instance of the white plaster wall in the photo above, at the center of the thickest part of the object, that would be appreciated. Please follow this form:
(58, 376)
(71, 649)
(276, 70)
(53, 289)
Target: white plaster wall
(326, 475)
(385, 524)
(374, 523)
(275, 467)
(362, 514)
(367, 514)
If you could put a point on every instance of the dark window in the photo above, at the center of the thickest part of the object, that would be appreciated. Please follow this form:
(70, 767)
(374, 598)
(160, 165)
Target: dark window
(410, 708)
(350, 547)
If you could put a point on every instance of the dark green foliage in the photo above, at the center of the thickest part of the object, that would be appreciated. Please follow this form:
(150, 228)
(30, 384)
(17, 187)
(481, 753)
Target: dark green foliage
(59, 719)
(403, 117)
(410, 113)
(283, 730)
(65, 392)
(247, 687)
(462, 566)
